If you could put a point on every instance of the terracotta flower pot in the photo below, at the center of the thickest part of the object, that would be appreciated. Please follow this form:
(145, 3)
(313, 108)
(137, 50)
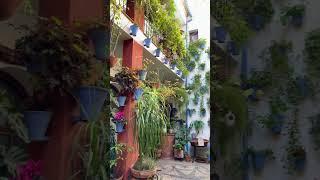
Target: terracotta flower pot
(143, 174)
(178, 153)
(8, 8)
(113, 61)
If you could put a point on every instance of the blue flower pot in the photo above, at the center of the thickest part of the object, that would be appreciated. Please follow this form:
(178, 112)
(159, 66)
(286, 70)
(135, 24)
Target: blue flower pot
(158, 52)
(257, 22)
(189, 113)
(99, 37)
(203, 113)
(147, 42)
(277, 128)
(179, 72)
(37, 123)
(259, 159)
(302, 85)
(220, 34)
(166, 61)
(173, 66)
(142, 75)
(297, 21)
(232, 48)
(134, 29)
(91, 100)
(121, 100)
(138, 93)
(119, 126)
(299, 164)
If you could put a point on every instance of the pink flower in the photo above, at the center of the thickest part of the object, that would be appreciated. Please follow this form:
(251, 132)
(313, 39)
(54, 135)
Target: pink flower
(119, 115)
(30, 170)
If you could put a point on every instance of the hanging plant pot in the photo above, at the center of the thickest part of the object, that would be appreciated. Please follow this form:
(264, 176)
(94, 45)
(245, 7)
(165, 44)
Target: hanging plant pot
(299, 159)
(147, 42)
(134, 29)
(157, 52)
(178, 153)
(166, 61)
(91, 100)
(113, 61)
(8, 8)
(297, 20)
(119, 126)
(232, 48)
(138, 93)
(258, 159)
(142, 74)
(277, 127)
(188, 112)
(173, 66)
(203, 112)
(220, 34)
(257, 22)
(179, 72)
(99, 37)
(121, 100)
(37, 123)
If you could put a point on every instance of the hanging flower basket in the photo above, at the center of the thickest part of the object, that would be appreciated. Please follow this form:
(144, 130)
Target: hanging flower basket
(113, 61)
(157, 52)
(121, 100)
(119, 121)
(8, 8)
(138, 93)
(134, 29)
(147, 42)
(37, 123)
(142, 74)
(91, 99)
(203, 112)
(99, 37)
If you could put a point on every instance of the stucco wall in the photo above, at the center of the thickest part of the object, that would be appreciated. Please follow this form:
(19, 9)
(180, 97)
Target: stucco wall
(200, 10)
(261, 138)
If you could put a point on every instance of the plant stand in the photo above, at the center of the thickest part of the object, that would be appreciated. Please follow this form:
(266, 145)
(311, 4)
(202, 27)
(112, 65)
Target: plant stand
(194, 144)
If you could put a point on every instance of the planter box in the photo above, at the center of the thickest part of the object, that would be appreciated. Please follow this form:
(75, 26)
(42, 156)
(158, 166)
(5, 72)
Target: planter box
(37, 123)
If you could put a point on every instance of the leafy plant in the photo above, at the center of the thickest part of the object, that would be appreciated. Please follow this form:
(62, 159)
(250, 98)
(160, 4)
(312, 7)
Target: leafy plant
(260, 79)
(61, 56)
(278, 105)
(145, 163)
(288, 13)
(203, 90)
(128, 81)
(11, 158)
(202, 66)
(207, 77)
(198, 126)
(150, 121)
(14, 118)
(116, 8)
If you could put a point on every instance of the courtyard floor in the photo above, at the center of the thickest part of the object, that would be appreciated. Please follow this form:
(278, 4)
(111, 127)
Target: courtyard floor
(182, 170)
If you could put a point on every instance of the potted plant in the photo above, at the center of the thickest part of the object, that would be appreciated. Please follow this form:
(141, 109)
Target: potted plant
(128, 82)
(233, 48)
(144, 168)
(134, 29)
(157, 52)
(294, 14)
(191, 65)
(274, 122)
(220, 34)
(178, 151)
(147, 42)
(173, 65)
(31, 170)
(166, 61)
(99, 37)
(119, 120)
(138, 93)
(12, 157)
(198, 126)
(143, 72)
(202, 66)
(179, 72)
(195, 99)
(8, 8)
(259, 157)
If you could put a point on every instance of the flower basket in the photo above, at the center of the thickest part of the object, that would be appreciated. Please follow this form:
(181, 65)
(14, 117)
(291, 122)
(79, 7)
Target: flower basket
(145, 174)
(134, 29)
(121, 100)
(91, 100)
(142, 75)
(37, 123)
(8, 8)
(158, 52)
(147, 42)
(99, 39)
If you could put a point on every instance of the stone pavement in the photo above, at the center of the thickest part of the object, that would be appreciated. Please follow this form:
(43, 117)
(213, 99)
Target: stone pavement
(182, 170)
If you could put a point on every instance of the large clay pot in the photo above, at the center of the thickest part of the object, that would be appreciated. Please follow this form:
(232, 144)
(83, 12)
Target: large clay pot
(8, 8)
(143, 174)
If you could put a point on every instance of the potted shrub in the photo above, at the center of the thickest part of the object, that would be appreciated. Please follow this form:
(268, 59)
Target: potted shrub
(157, 52)
(178, 151)
(128, 82)
(119, 120)
(294, 14)
(259, 157)
(144, 168)
(134, 29)
(8, 8)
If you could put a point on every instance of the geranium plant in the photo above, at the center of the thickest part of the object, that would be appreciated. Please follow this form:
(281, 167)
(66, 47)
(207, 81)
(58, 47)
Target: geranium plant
(119, 116)
(31, 170)
(128, 81)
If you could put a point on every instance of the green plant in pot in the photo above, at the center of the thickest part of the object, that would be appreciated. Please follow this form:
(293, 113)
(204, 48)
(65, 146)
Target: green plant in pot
(294, 14)
(11, 158)
(144, 168)
(259, 157)
(198, 126)
(181, 139)
(128, 82)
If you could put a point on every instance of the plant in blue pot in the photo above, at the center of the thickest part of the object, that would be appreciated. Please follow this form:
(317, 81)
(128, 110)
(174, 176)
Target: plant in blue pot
(293, 14)
(119, 121)
(220, 34)
(99, 37)
(134, 29)
(138, 93)
(233, 48)
(173, 65)
(166, 61)
(157, 52)
(259, 158)
(147, 42)
(179, 72)
(274, 122)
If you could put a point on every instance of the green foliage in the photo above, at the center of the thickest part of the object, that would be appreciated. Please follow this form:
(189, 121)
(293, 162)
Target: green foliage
(151, 119)
(202, 66)
(14, 118)
(128, 81)
(195, 99)
(278, 105)
(312, 50)
(260, 79)
(181, 137)
(290, 12)
(64, 57)
(203, 90)
(145, 163)
(191, 65)
(198, 125)
(11, 158)
(207, 77)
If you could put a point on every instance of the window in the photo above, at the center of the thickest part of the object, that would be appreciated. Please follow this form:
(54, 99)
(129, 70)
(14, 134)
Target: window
(193, 35)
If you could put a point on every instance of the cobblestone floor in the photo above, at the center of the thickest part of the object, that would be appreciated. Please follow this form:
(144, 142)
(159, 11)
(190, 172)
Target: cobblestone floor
(182, 170)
